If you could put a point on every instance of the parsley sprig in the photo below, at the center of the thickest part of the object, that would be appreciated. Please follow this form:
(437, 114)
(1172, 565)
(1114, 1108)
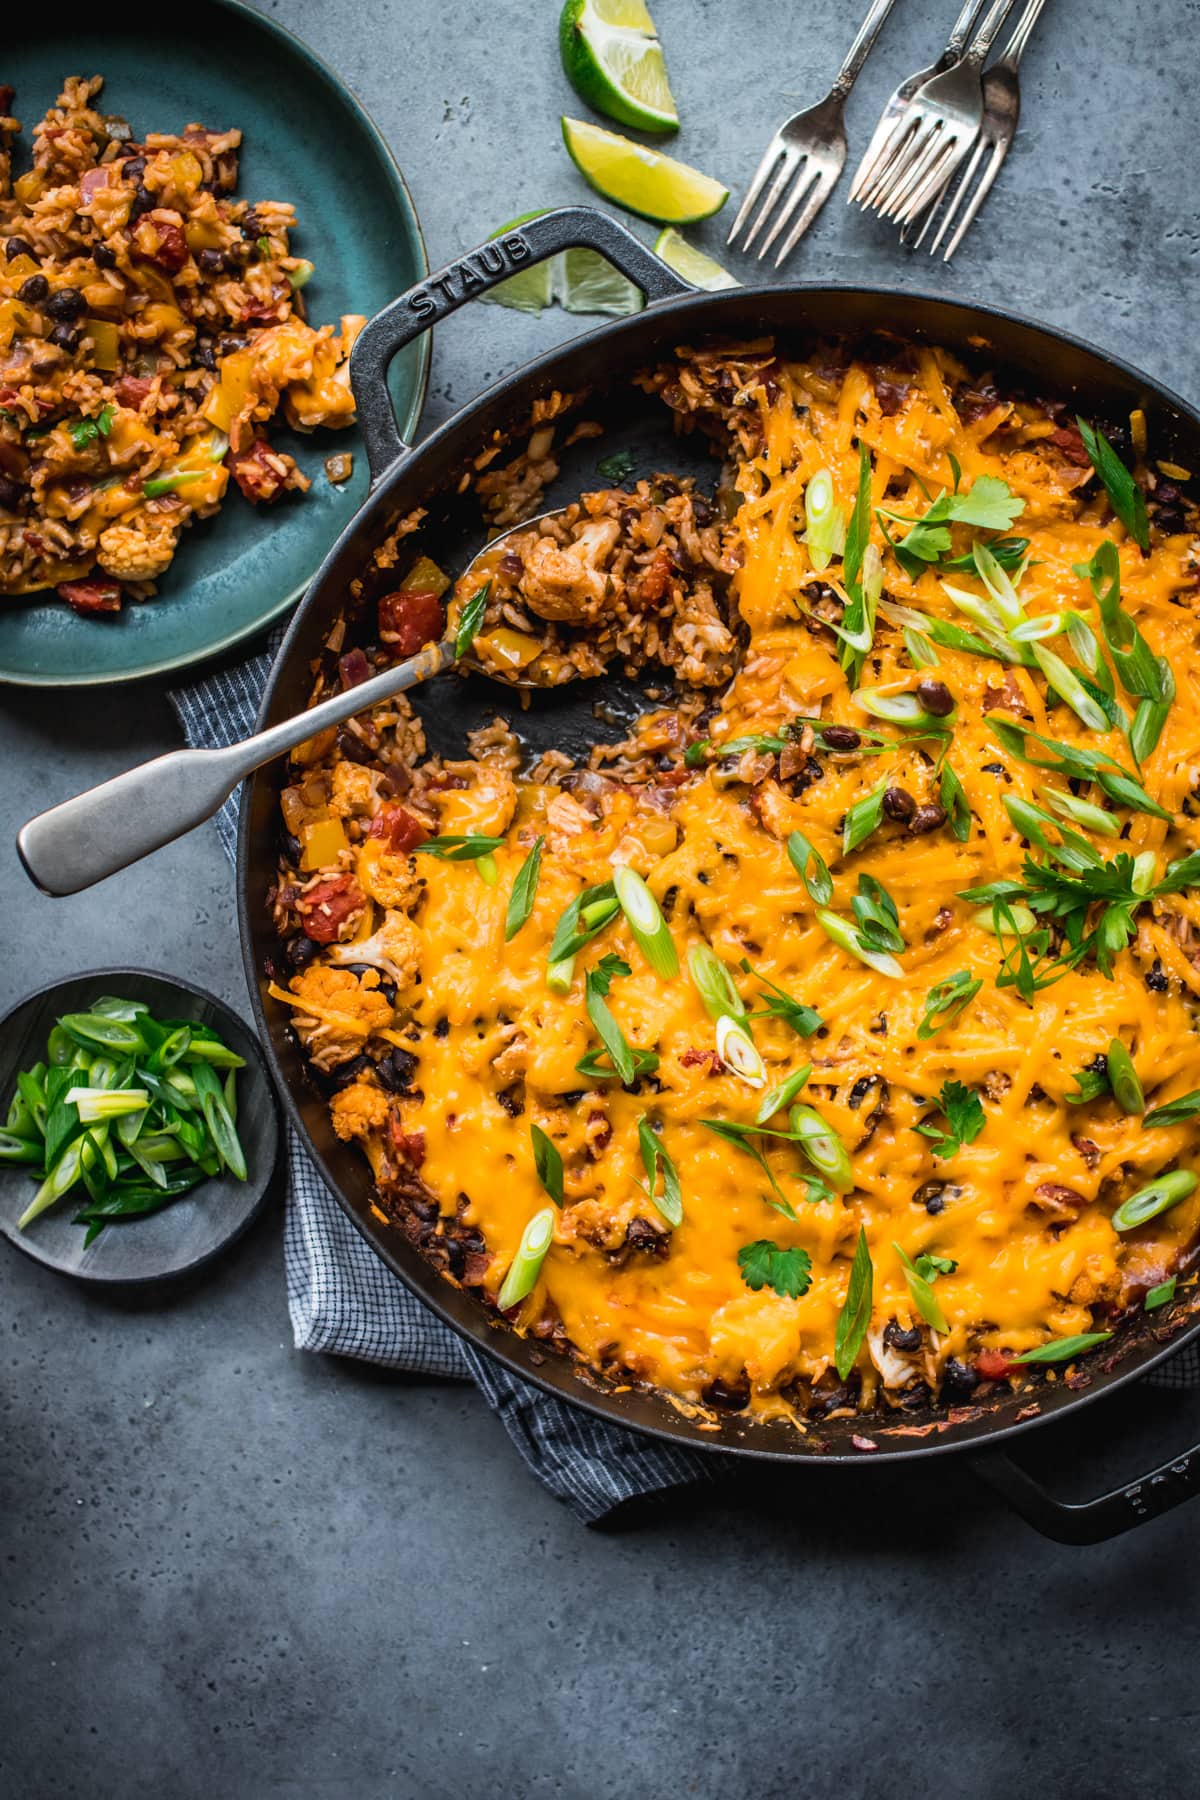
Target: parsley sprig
(989, 505)
(965, 1118)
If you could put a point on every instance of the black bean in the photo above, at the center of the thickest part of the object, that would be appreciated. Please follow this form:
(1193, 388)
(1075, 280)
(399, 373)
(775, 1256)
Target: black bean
(702, 512)
(11, 494)
(840, 737)
(301, 950)
(133, 168)
(397, 1070)
(896, 1339)
(929, 817)
(66, 304)
(899, 804)
(34, 290)
(103, 257)
(205, 357)
(291, 847)
(994, 769)
(347, 1072)
(958, 1380)
(1156, 980)
(935, 697)
(252, 225)
(932, 1196)
(352, 749)
(143, 202)
(65, 337)
(512, 1099)
(442, 1028)
(211, 261)
(17, 247)
(728, 1396)
(859, 1091)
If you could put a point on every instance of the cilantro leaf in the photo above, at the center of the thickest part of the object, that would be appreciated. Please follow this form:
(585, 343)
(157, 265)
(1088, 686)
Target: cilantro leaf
(787, 1272)
(618, 467)
(965, 1119)
(469, 620)
(804, 1020)
(607, 970)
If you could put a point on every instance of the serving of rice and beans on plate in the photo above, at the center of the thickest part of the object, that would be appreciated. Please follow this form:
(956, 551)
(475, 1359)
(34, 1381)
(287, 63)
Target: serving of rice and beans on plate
(830, 1043)
(151, 327)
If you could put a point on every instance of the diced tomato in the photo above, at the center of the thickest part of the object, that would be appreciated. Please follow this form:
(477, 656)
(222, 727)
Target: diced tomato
(994, 1365)
(1068, 440)
(258, 481)
(88, 597)
(409, 619)
(327, 906)
(413, 1143)
(398, 828)
(91, 180)
(131, 390)
(655, 580)
(163, 242)
(262, 310)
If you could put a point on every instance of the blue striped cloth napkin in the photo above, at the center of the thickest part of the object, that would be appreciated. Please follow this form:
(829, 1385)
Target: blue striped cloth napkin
(344, 1301)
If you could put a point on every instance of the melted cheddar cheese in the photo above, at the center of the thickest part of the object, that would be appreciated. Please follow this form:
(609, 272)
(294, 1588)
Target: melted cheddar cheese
(497, 1049)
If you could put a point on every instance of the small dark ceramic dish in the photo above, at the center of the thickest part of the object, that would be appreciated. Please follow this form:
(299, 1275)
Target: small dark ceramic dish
(190, 1230)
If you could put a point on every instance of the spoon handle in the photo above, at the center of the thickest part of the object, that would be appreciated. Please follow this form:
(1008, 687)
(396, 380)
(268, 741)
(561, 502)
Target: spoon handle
(110, 826)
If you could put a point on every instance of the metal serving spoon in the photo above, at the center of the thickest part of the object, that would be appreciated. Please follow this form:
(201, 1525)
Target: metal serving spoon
(105, 829)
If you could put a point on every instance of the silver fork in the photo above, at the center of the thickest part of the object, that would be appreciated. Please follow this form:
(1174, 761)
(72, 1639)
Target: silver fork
(955, 45)
(936, 131)
(809, 151)
(1001, 111)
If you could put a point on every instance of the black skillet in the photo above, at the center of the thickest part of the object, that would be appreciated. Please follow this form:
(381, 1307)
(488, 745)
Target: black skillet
(1035, 360)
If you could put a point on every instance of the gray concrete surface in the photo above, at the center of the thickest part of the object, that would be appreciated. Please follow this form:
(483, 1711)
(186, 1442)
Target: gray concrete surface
(233, 1571)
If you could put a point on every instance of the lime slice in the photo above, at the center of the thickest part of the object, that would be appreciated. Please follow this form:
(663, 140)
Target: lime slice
(614, 61)
(582, 281)
(694, 265)
(643, 180)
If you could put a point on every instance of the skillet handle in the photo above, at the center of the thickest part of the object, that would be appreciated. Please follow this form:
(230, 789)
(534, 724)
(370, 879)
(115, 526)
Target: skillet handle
(405, 318)
(1092, 1521)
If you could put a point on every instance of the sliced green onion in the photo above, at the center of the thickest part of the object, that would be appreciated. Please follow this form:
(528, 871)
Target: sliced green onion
(14, 1149)
(1068, 687)
(824, 522)
(859, 635)
(921, 652)
(811, 868)
(735, 1047)
(999, 584)
(607, 1029)
(1145, 868)
(108, 1033)
(855, 1316)
(645, 1062)
(95, 1103)
(487, 870)
(845, 935)
(902, 709)
(1081, 812)
(526, 1265)
(946, 1000)
(587, 914)
(822, 1146)
(470, 619)
(548, 1162)
(301, 275)
(1175, 1112)
(781, 1096)
(1018, 923)
(644, 918)
(1063, 1349)
(459, 847)
(976, 608)
(714, 983)
(1032, 631)
(1158, 1196)
(654, 1155)
(1123, 1079)
(167, 484)
(524, 891)
(923, 1296)
(1161, 1295)
(61, 1178)
(560, 975)
(864, 817)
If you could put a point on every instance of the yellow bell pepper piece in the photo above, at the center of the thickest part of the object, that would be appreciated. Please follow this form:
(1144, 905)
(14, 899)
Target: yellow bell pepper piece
(424, 577)
(322, 843)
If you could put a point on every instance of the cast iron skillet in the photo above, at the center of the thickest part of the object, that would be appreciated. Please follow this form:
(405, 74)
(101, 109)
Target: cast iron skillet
(401, 478)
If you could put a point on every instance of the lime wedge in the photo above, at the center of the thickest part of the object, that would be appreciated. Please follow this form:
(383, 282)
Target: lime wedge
(614, 61)
(643, 180)
(581, 281)
(694, 265)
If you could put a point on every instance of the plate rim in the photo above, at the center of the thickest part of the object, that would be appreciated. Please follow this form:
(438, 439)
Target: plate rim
(407, 424)
(96, 1278)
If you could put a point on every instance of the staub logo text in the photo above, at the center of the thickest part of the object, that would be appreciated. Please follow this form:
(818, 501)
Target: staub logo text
(478, 270)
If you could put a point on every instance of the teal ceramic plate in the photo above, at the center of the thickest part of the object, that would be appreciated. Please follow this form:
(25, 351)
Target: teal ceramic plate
(305, 139)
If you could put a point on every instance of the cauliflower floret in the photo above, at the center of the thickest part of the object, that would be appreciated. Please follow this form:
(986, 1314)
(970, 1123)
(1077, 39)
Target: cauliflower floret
(570, 584)
(389, 877)
(140, 551)
(344, 1012)
(358, 1110)
(354, 789)
(395, 948)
